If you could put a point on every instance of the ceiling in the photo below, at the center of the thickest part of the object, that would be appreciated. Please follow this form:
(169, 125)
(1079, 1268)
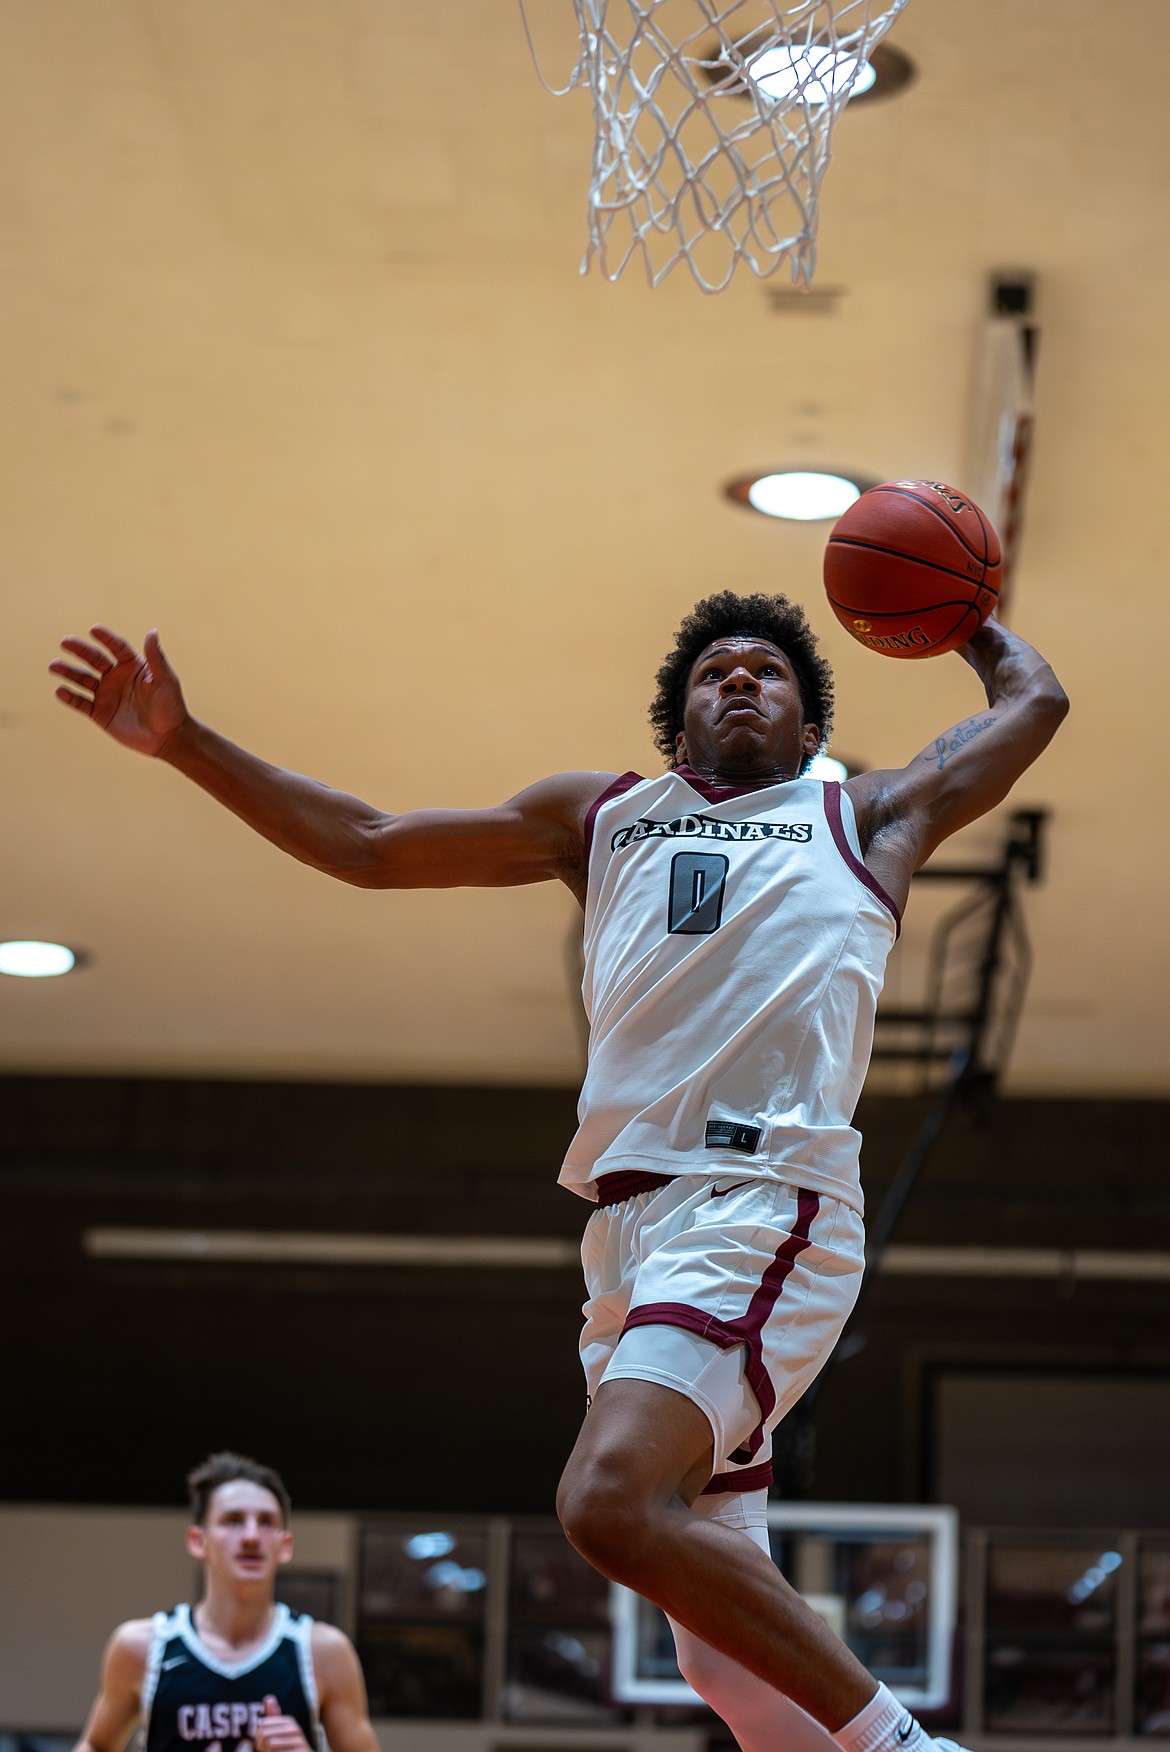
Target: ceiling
(300, 369)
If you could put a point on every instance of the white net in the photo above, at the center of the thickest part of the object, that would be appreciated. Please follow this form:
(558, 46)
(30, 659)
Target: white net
(714, 122)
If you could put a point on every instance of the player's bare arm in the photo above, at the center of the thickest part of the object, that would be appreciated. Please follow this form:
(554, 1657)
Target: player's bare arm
(117, 1706)
(903, 816)
(535, 836)
(342, 1692)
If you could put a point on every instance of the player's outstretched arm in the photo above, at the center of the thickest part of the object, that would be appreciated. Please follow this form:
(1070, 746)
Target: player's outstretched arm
(904, 815)
(116, 1707)
(345, 1714)
(136, 698)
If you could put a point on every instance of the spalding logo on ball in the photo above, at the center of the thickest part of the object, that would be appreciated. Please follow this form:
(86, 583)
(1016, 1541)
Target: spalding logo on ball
(913, 568)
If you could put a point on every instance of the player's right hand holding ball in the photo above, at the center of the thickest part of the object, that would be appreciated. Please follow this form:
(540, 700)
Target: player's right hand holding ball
(913, 568)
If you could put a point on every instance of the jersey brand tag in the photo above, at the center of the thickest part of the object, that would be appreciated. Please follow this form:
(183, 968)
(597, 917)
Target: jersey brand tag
(731, 1134)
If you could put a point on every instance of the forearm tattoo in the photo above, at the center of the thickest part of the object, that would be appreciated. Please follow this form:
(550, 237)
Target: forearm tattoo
(956, 739)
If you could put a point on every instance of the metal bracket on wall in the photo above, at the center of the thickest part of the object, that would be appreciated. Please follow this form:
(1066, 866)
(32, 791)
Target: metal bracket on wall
(980, 960)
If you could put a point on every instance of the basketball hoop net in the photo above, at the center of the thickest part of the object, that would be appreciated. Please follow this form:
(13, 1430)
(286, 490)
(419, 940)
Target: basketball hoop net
(714, 123)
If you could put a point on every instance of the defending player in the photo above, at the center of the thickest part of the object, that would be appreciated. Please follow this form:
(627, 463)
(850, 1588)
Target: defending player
(237, 1672)
(737, 921)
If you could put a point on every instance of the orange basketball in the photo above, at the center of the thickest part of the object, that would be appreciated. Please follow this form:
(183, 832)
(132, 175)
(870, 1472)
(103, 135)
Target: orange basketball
(913, 568)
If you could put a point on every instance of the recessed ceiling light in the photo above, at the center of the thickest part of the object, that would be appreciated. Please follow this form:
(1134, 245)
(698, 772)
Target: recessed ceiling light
(817, 73)
(828, 766)
(31, 960)
(804, 495)
(777, 72)
(865, 81)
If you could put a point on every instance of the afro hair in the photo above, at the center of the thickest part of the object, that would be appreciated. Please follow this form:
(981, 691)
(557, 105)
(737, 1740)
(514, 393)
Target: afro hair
(726, 616)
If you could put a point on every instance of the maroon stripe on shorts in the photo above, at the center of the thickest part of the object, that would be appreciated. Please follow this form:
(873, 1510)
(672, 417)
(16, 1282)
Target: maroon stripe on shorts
(748, 1329)
(626, 1183)
(720, 1332)
(760, 1308)
(733, 1483)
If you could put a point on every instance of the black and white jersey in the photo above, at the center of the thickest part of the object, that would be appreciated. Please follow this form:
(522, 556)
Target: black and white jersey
(194, 1702)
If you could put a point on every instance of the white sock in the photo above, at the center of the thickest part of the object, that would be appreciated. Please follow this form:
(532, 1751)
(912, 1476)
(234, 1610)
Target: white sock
(884, 1725)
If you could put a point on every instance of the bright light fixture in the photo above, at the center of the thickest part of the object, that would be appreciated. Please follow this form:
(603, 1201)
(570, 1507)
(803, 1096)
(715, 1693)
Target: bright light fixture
(813, 74)
(29, 960)
(801, 495)
(763, 69)
(428, 1546)
(865, 81)
(452, 1576)
(823, 766)
(283, 1247)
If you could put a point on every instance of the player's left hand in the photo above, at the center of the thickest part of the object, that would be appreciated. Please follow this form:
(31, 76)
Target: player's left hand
(279, 1733)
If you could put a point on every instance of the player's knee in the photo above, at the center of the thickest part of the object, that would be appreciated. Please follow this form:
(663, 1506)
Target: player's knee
(605, 1520)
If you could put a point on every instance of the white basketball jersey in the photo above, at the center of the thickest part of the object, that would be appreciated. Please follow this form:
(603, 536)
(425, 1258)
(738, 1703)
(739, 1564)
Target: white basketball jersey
(735, 946)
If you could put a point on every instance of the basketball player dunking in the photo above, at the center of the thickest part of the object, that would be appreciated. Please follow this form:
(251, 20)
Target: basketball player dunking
(737, 921)
(238, 1673)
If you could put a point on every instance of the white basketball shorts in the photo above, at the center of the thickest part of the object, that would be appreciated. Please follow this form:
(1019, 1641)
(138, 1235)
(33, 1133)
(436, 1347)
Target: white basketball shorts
(732, 1293)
